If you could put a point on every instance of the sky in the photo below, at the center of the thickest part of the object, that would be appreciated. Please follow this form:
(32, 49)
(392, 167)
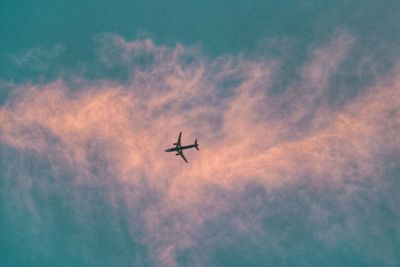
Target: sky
(295, 105)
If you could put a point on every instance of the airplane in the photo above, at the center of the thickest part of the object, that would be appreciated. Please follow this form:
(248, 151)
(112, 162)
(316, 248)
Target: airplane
(178, 147)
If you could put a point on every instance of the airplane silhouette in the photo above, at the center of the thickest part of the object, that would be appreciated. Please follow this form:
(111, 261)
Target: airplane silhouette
(178, 148)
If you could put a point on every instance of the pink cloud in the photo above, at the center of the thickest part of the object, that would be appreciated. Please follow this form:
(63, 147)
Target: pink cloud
(247, 136)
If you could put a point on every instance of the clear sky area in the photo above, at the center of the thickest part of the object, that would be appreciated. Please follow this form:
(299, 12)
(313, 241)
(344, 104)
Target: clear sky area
(295, 106)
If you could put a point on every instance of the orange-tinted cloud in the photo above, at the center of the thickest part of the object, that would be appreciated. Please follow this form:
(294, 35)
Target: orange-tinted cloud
(245, 136)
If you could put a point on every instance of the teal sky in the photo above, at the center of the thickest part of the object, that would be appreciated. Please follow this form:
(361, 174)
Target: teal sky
(220, 27)
(295, 105)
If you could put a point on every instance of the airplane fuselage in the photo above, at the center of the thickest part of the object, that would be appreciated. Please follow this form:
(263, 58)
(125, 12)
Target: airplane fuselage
(178, 148)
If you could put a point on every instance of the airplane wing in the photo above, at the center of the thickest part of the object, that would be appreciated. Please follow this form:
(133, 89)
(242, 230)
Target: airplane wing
(183, 156)
(178, 143)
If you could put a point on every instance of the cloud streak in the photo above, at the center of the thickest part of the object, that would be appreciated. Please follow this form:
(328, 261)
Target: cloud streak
(253, 143)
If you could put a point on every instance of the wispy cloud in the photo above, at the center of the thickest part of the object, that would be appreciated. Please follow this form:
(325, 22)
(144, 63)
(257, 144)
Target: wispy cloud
(38, 59)
(247, 137)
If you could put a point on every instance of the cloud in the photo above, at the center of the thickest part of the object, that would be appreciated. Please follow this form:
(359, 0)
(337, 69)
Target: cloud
(38, 59)
(252, 143)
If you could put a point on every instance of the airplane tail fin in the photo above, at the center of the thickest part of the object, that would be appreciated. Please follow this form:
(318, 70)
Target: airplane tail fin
(196, 145)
